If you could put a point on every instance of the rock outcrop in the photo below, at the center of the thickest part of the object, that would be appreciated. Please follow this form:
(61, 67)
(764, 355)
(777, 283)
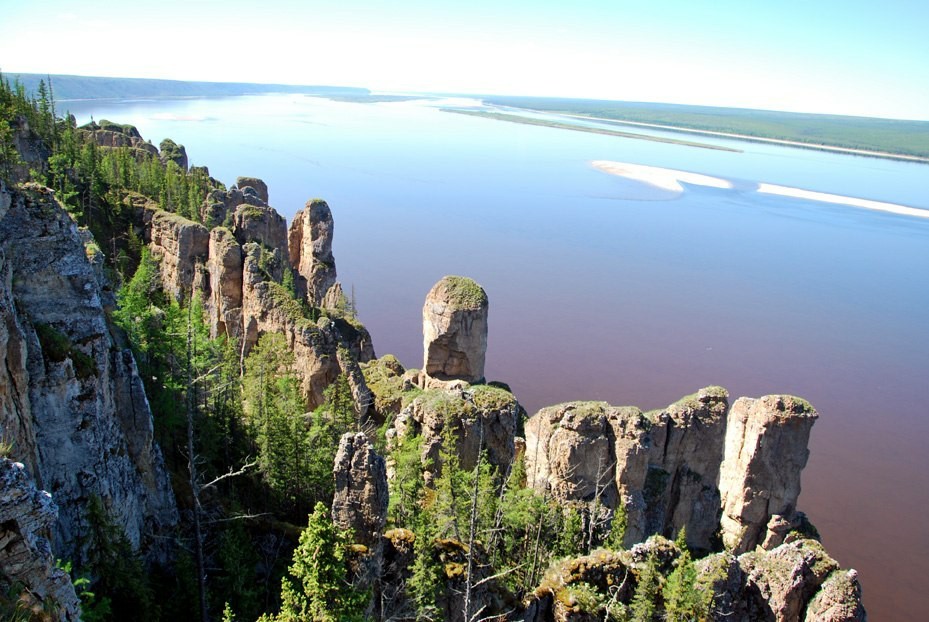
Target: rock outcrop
(660, 467)
(479, 418)
(794, 582)
(360, 503)
(225, 266)
(765, 451)
(455, 330)
(310, 243)
(27, 567)
(260, 187)
(70, 397)
(261, 224)
(170, 151)
(115, 135)
(181, 247)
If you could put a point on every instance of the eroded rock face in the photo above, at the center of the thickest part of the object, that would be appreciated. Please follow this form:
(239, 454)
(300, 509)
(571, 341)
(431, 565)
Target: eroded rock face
(26, 560)
(360, 501)
(455, 330)
(765, 452)
(225, 269)
(261, 188)
(319, 347)
(220, 205)
(181, 246)
(71, 398)
(310, 241)
(255, 223)
(661, 467)
(479, 418)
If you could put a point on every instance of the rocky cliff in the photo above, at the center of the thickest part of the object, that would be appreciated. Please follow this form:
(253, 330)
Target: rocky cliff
(239, 269)
(72, 404)
(696, 464)
(27, 567)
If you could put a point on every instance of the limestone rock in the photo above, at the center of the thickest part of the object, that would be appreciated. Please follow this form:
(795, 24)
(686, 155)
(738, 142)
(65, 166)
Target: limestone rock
(225, 266)
(181, 246)
(219, 205)
(360, 501)
(261, 188)
(455, 330)
(310, 244)
(661, 467)
(684, 459)
(838, 600)
(170, 151)
(780, 583)
(27, 565)
(268, 307)
(76, 407)
(114, 135)
(256, 223)
(765, 452)
(480, 417)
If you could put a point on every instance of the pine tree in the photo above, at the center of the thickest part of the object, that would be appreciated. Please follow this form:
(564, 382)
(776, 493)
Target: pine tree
(644, 606)
(318, 586)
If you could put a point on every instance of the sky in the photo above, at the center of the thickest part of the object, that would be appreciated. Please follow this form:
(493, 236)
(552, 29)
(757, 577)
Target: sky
(850, 57)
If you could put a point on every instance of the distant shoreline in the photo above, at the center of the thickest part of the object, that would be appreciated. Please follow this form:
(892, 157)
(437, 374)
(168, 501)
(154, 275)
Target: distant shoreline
(776, 141)
(514, 118)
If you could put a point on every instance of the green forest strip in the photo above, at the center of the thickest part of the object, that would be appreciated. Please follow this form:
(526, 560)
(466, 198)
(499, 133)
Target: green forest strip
(879, 137)
(513, 118)
(85, 87)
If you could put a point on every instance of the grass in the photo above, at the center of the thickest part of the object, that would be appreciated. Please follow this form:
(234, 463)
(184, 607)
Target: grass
(513, 118)
(889, 136)
(464, 292)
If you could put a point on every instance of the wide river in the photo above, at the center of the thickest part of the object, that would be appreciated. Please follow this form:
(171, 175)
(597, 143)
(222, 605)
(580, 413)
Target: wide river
(605, 288)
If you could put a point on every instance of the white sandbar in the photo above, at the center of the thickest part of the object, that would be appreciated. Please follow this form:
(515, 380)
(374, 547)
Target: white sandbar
(823, 197)
(664, 178)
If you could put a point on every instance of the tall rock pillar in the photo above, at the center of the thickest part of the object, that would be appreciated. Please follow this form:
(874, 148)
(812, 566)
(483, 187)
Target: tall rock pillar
(766, 450)
(455, 330)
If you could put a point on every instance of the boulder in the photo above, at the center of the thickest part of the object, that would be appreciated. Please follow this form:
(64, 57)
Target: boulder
(765, 452)
(455, 330)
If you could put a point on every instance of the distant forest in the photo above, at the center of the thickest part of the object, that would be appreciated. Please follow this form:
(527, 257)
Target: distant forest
(909, 138)
(85, 87)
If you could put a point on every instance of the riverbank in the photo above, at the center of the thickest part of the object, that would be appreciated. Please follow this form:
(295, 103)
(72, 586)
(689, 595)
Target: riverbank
(757, 139)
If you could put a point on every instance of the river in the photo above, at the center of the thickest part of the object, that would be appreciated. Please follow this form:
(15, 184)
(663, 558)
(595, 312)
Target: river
(604, 288)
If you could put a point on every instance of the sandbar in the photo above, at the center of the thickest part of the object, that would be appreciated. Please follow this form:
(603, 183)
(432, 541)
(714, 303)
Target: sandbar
(663, 178)
(823, 197)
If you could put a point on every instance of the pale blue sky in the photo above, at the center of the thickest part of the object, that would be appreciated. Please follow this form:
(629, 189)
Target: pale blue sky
(844, 57)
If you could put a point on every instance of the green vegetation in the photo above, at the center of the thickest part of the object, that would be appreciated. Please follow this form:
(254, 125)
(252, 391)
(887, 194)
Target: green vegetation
(464, 292)
(909, 138)
(84, 87)
(515, 118)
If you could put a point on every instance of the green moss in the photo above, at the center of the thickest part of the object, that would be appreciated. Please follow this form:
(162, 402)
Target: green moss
(656, 481)
(384, 378)
(489, 398)
(249, 212)
(56, 346)
(285, 303)
(464, 292)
